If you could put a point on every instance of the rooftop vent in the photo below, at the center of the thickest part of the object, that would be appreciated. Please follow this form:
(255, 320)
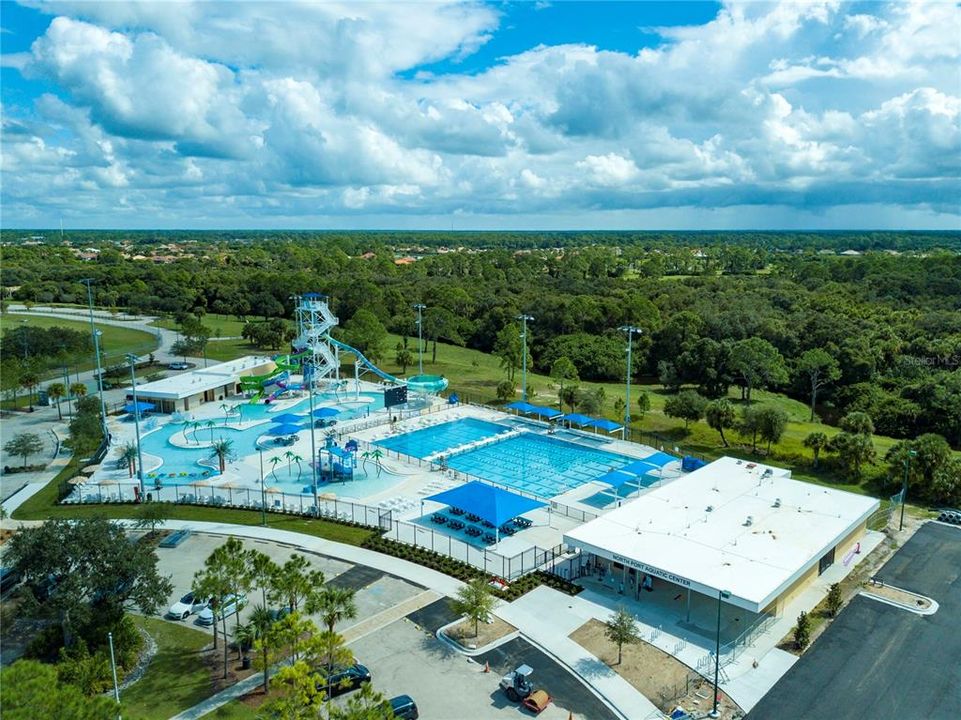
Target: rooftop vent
(777, 502)
(768, 473)
(749, 521)
(710, 508)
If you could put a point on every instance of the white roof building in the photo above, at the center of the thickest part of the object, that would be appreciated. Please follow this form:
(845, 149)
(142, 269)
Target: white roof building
(732, 526)
(178, 392)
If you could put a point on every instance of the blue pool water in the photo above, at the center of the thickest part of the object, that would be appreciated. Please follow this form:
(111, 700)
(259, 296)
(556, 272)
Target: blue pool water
(538, 464)
(178, 460)
(421, 443)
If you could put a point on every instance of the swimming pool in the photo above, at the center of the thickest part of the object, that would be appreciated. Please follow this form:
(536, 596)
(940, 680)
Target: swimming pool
(182, 461)
(431, 440)
(538, 464)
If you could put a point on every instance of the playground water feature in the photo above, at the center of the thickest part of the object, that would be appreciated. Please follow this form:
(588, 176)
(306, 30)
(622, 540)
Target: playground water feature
(183, 464)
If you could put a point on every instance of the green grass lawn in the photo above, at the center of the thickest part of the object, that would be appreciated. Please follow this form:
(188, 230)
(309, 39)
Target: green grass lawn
(177, 677)
(115, 341)
(234, 710)
(44, 505)
(220, 325)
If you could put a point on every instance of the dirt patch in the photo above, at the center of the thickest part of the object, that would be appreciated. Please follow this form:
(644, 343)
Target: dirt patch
(664, 680)
(902, 597)
(6, 534)
(214, 660)
(463, 633)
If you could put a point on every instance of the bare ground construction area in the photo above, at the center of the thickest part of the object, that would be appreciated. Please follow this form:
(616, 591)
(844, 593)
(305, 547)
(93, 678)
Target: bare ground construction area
(664, 680)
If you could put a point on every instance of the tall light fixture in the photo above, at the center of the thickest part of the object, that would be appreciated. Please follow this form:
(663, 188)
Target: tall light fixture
(630, 330)
(420, 307)
(96, 350)
(132, 359)
(524, 318)
(717, 649)
(263, 489)
(904, 485)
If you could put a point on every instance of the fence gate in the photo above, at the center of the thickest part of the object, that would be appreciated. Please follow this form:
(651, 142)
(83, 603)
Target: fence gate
(384, 520)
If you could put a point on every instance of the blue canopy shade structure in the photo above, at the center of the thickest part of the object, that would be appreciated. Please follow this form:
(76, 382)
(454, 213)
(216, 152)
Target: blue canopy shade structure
(617, 478)
(606, 425)
(284, 429)
(340, 452)
(139, 407)
(326, 412)
(577, 419)
(544, 411)
(288, 418)
(660, 459)
(520, 406)
(489, 503)
(639, 467)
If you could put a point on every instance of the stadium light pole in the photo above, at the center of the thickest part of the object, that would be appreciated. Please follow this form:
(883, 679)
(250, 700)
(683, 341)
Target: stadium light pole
(420, 307)
(524, 319)
(630, 330)
(904, 485)
(717, 649)
(263, 489)
(132, 359)
(96, 351)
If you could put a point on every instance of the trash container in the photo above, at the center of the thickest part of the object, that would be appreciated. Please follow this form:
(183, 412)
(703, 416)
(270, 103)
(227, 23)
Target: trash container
(245, 663)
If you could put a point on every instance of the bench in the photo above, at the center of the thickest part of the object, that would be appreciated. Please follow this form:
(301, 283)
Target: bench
(174, 539)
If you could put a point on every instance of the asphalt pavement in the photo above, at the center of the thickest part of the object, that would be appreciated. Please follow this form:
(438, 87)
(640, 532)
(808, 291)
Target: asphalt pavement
(879, 661)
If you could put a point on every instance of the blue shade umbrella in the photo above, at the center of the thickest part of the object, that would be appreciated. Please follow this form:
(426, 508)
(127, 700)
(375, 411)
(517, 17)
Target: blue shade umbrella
(288, 418)
(325, 412)
(285, 429)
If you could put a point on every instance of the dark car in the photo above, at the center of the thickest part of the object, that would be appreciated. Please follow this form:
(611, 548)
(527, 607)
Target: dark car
(346, 679)
(9, 579)
(404, 707)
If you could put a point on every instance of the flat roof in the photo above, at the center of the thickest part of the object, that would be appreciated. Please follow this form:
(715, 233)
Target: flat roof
(695, 531)
(177, 387)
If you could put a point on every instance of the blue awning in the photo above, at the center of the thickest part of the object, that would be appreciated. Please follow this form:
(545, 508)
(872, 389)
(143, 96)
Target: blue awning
(288, 418)
(325, 412)
(640, 467)
(577, 419)
(285, 429)
(660, 459)
(606, 425)
(340, 452)
(140, 407)
(617, 478)
(520, 406)
(489, 503)
(547, 412)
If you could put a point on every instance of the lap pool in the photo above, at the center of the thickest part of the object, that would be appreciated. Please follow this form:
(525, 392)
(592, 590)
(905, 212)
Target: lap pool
(445, 436)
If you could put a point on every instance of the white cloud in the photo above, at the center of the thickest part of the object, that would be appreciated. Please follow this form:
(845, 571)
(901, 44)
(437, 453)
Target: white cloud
(802, 104)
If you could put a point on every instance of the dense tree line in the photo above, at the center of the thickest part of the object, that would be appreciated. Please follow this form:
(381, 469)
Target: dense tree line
(878, 333)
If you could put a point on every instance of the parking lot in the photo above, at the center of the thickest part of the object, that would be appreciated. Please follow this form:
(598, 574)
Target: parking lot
(879, 661)
(376, 591)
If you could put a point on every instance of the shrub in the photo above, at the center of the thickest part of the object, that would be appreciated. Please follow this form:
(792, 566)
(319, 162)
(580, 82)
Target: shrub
(802, 631)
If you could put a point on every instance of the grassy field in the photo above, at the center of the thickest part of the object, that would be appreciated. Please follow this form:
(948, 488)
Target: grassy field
(234, 710)
(115, 341)
(43, 505)
(177, 677)
(220, 325)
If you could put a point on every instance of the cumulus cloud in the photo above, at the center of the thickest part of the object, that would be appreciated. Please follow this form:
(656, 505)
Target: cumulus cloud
(808, 106)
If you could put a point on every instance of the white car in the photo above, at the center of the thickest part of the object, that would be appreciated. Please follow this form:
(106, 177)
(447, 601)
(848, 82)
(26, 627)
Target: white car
(186, 606)
(231, 604)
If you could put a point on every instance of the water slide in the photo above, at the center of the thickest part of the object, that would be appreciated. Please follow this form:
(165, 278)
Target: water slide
(418, 383)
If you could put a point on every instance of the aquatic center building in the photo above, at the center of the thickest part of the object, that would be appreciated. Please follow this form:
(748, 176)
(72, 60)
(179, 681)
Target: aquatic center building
(743, 531)
(187, 391)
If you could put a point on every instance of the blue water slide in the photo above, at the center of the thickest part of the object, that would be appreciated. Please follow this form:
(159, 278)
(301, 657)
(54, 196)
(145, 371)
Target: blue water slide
(364, 361)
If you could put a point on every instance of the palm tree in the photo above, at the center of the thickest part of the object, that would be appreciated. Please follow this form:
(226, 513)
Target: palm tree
(226, 408)
(128, 457)
(245, 636)
(210, 425)
(273, 466)
(224, 450)
(364, 457)
(195, 426)
(28, 381)
(56, 391)
(289, 457)
(376, 455)
(258, 626)
(333, 604)
(298, 459)
(78, 389)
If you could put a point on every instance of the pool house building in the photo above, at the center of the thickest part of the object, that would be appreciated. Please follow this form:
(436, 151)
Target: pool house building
(189, 390)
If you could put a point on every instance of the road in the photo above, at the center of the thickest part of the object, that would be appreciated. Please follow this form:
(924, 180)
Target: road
(881, 662)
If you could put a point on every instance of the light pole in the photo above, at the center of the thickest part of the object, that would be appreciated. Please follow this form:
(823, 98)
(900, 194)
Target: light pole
(66, 389)
(717, 649)
(113, 667)
(524, 318)
(630, 330)
(132, 359)
(420, 307)
(23, 334)
(263, 490)
(904, 485)
(96, 350)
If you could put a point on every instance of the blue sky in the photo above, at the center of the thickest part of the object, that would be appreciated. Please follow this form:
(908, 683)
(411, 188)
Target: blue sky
(528, 115)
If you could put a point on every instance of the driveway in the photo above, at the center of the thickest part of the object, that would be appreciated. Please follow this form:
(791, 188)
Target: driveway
(878, 661)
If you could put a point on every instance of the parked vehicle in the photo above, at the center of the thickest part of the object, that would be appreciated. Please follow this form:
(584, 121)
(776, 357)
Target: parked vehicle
(187, 606)
(404, 707)
(230, 605)
(9, 579)
(345, 679)
(516, 684)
